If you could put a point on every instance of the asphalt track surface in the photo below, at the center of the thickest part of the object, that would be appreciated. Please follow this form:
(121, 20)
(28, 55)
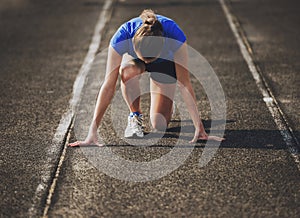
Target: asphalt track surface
(253, 174)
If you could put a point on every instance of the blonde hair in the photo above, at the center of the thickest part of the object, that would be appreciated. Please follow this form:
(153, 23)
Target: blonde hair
(150, 27)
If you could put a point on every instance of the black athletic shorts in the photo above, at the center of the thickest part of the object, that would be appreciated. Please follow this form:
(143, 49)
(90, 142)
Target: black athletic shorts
(160, 70)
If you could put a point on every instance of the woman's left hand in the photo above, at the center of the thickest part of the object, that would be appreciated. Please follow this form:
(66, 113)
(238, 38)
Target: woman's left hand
(203, 136)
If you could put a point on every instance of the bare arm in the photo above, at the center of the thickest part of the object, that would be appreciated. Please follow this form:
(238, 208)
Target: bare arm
(105, 96)
(187, 92)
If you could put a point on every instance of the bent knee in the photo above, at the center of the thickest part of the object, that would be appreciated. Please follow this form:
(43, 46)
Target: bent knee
(130, 71)
(159, 122)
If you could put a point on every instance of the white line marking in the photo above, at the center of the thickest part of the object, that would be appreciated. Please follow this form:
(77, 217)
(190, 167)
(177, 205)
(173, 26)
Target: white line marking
(53, 152)
(268, 97)
(53, 184)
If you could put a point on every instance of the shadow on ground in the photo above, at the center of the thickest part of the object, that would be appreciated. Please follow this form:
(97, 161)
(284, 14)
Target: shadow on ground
(249, 139)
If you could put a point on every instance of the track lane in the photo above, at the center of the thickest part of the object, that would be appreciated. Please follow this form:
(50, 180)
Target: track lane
(252, 172)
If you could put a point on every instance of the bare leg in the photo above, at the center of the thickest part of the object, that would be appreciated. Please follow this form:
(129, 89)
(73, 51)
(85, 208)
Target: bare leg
(161, 104)
(130, 75)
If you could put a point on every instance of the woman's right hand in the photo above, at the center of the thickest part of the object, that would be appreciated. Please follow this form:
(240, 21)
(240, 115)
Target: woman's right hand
(93, 141)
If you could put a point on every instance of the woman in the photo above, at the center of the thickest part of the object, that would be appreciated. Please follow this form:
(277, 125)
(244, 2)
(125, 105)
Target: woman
(155, 44)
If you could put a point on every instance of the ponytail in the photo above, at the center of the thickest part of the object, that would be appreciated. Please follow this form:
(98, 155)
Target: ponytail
(150, 27)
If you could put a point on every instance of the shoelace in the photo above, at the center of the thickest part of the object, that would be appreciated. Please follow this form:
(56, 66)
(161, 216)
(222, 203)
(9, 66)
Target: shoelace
(137, 122)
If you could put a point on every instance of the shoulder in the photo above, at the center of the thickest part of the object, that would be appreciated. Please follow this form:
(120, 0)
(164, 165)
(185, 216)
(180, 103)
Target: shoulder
(165, 21)
(131, 26)
(171, 28)
(169, 25)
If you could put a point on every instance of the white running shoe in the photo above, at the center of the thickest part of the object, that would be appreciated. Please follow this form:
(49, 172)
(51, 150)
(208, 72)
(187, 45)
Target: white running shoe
(134, 126)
